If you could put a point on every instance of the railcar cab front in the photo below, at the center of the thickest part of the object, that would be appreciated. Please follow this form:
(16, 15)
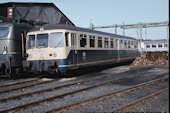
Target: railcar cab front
(46, 50)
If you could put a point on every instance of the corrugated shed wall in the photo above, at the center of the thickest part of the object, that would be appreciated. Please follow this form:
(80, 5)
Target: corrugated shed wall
(43, 12)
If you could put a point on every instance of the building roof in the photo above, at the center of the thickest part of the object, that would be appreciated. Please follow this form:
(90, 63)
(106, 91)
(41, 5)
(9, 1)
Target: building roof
(44, 12)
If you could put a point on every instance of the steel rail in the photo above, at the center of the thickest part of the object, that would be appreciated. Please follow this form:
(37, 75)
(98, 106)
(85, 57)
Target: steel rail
(63, 108)
(121, 109)
(28, 85)
(61, 86)
(76, 91)
(16, 83)
(1, 80)
(66, 85)
(54, 80)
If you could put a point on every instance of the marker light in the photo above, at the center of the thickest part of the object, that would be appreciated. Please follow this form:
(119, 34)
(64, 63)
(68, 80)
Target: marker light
(4, 48)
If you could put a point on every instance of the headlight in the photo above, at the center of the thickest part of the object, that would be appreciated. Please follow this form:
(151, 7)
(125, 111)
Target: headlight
(4, 50)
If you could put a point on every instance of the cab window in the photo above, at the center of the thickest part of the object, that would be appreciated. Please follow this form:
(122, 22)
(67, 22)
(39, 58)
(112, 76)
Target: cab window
(56, 40)
(31, 41)
(42, 40)
(4, 32)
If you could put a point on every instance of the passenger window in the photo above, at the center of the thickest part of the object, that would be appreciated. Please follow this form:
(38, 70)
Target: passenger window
(82, 40)
(153, 46)
(125, 43)
(106, 43)
(99, 42)
(67, 39)
(92, 41)
(128, 44)
(121, 44)
(132, 46)
(135, 45)
(160, 45)
(42, 40)
(112, 43)
(56, 40)
(147, 46)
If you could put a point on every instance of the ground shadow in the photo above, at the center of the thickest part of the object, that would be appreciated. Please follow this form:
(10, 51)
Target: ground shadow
(73, 73)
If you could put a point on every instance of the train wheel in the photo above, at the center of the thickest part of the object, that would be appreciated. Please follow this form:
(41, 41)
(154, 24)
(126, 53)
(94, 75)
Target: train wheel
(17, 72)
(12, 73)
(8, 72)
(63, 72)
(3, 69)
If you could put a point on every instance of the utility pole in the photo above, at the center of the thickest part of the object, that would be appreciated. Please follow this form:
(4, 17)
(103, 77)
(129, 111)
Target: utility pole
(123, 29)
(168, 36)
(138, 26)
(91, 24)
(141, 36)
(168, 41)
(115, 28)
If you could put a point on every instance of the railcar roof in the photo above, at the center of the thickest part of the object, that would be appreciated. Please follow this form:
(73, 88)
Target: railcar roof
(155, 41)
(69, 27)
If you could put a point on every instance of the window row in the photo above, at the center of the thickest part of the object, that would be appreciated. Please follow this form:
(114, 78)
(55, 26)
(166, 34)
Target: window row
(104, 42)
(156, 45)
(45, 40)
(60, 39)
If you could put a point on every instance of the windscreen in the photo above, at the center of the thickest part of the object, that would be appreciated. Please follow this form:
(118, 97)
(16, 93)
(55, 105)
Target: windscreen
(31, 41)
(56, 40)
(42, 40)
(4, 32)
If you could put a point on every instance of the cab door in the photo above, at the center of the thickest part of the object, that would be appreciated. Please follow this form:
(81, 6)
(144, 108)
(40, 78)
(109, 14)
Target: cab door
(74, 48)
(117, 48)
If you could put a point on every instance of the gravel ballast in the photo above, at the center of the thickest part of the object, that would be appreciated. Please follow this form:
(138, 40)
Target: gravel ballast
(143, 74)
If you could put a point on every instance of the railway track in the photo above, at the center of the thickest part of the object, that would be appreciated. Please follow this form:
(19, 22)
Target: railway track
(66, 85)
(76, 104)
(62, 86)
(80, 90)
(141, 100)
(77, 82)
(20, 82)
(26, 84)
(1, 80)
(91, 84)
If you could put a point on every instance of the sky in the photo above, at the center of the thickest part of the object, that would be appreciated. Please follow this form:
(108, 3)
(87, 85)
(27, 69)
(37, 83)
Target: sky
(110, 12)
